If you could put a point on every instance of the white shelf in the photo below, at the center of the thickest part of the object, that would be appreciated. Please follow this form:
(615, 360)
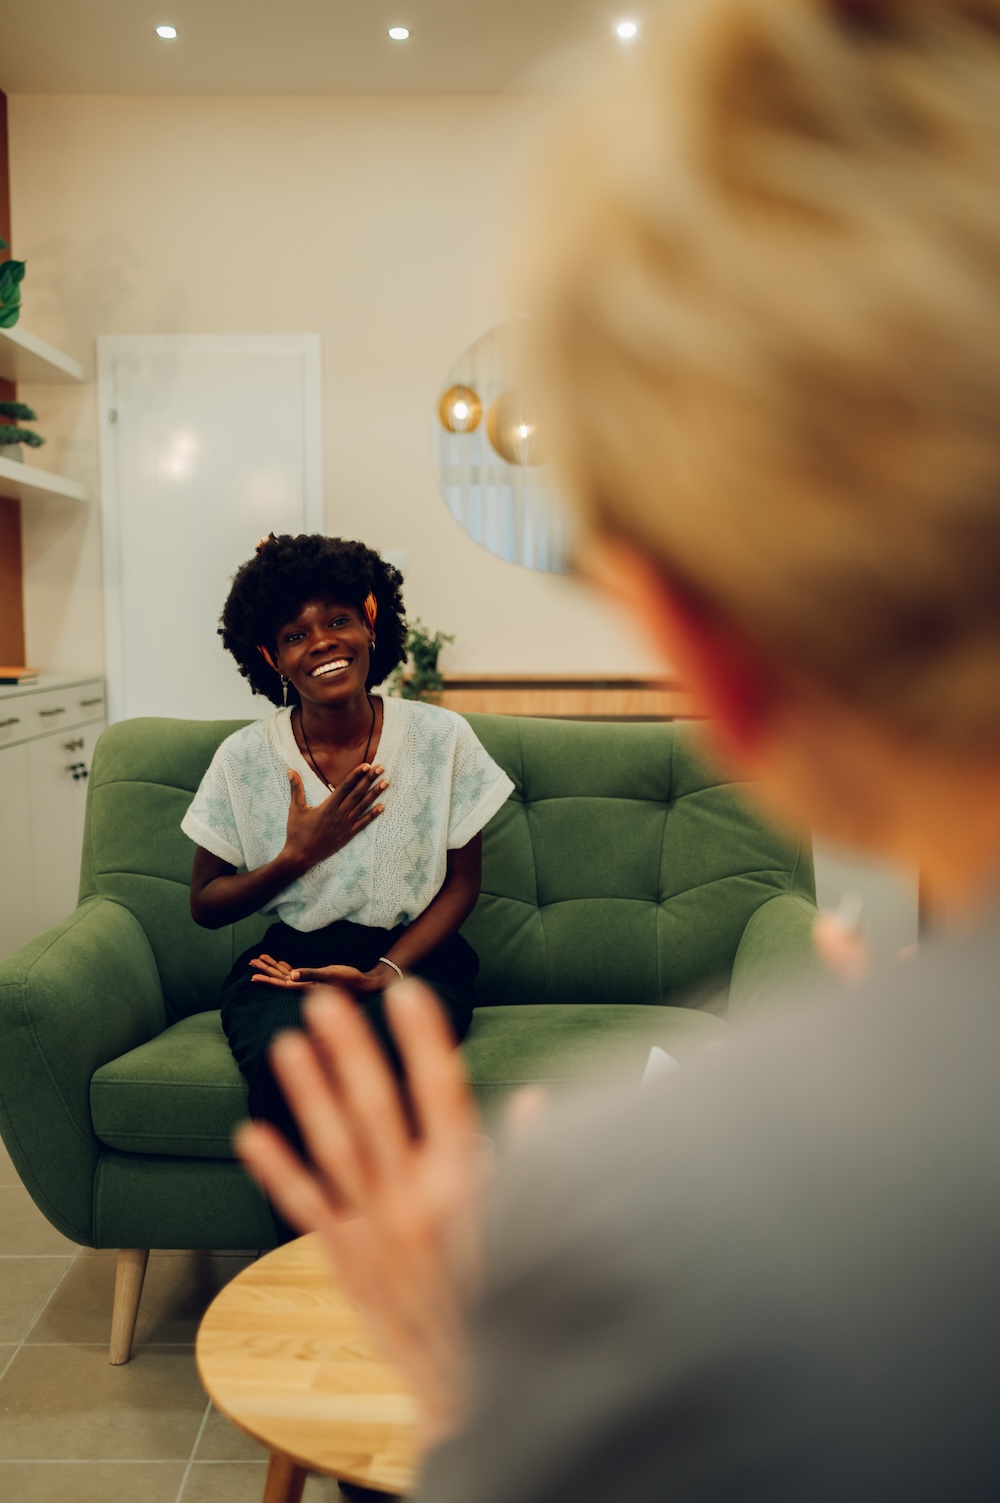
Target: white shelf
(24, 482)
(25, 357)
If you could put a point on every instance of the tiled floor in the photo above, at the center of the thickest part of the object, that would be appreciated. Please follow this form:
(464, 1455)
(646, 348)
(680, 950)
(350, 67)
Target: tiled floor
(74, 1429)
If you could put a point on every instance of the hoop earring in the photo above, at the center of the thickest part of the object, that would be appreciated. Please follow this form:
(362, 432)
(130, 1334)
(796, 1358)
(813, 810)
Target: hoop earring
(371, 645)
(284, 690)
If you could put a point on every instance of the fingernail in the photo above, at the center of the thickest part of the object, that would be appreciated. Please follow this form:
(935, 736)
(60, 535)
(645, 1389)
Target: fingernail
(244, 1137)
(288, 1038)
(408, 992)
(320, 1004)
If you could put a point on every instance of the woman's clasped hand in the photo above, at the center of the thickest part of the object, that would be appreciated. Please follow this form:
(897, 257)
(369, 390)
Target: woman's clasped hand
(280, 973)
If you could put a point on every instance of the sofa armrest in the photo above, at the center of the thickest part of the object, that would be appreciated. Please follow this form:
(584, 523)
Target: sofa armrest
(74, 998)
(776, 962)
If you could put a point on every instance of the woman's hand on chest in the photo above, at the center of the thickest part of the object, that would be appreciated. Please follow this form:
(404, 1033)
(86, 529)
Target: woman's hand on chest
(312, 834)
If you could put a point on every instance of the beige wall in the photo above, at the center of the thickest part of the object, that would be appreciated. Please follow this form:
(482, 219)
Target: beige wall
(378, 223)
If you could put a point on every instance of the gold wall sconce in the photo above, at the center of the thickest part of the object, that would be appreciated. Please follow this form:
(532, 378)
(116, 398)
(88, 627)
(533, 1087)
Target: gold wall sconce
(511, 431)
(488, 461)
(460, 410)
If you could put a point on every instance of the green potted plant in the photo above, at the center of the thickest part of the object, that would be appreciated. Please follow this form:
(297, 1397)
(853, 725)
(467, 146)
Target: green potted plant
(418, 677)
(12, 435)
(11, 276)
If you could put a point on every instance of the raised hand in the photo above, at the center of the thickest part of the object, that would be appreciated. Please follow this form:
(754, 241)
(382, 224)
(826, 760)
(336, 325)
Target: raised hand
(399, 1212)
(840, 942)
(313, 834)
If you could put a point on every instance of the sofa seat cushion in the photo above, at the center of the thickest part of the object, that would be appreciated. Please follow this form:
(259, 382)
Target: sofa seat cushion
(180, 1094)
(561, 1044)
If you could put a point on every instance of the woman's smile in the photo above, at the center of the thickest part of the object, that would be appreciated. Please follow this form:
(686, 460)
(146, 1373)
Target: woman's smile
(335, 665)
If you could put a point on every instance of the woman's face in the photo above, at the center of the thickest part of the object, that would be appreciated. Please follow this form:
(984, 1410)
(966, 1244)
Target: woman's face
(325, 652)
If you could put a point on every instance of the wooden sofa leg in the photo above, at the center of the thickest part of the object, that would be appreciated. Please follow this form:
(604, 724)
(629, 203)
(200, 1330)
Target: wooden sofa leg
(128, 1291)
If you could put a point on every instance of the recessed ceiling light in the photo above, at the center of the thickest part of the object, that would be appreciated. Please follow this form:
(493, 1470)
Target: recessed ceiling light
(398, 33)
(168, 32)
(626, 31)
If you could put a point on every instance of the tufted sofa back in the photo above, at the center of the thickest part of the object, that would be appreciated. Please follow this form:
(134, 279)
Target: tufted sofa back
(621, 869)
(143, 776)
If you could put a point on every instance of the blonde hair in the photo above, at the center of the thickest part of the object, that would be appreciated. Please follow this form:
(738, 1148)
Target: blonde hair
(767, 310)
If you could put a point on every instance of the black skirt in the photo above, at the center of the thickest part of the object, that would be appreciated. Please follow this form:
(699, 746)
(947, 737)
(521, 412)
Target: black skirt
(253, 1012)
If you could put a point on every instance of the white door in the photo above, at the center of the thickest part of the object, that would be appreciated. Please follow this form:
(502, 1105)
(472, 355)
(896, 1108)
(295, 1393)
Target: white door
(208, 444)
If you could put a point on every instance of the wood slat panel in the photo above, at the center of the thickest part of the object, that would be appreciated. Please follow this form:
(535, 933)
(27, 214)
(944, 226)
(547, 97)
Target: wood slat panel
(570, 698)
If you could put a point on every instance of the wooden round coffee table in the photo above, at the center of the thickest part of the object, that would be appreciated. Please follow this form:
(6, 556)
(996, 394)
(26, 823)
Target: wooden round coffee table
(284, 1353)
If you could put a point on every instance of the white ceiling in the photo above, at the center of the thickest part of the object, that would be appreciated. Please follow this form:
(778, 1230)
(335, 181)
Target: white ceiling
(299, 46)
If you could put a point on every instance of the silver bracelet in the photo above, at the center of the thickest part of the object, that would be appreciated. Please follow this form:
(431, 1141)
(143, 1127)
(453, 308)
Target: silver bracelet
(383, 960)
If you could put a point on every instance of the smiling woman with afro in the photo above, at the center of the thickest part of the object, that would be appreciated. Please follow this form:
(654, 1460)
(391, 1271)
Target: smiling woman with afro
(351, 819)
(285, 571)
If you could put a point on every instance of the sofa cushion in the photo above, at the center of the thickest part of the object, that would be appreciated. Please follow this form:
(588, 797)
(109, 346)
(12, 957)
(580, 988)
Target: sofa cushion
(561, 1045)
(181, 1095)
(620, 866)
(144, 775)
(554, 1042)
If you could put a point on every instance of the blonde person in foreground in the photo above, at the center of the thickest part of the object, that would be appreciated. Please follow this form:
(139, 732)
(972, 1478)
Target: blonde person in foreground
(767, 292)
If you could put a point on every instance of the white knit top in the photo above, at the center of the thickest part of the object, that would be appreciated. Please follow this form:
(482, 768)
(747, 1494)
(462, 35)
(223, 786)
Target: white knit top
(443, 788)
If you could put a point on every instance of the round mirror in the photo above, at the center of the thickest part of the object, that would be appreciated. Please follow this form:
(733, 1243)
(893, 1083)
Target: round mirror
(489, 457)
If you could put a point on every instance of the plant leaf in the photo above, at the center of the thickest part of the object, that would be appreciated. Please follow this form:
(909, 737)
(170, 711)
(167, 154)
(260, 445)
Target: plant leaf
(11, 272)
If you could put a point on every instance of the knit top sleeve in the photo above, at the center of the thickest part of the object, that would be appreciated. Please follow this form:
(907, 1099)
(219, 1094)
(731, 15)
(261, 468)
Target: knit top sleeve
(478, 787)
(210, 820)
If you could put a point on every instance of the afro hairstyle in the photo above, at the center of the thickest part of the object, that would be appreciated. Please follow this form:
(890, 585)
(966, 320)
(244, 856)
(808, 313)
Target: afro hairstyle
(286, 573)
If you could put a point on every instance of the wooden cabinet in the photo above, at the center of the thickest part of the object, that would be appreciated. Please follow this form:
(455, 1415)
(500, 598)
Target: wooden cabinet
(48, 732)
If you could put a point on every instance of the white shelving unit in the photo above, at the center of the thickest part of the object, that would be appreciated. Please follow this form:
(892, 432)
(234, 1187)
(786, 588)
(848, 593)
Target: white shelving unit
(25, 482)
(25, 357)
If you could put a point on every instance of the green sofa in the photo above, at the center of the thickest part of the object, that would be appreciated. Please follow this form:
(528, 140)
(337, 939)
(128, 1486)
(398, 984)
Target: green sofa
(629, 898)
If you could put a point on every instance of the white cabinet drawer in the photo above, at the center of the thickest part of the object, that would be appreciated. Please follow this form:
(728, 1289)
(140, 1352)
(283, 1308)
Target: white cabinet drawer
(29, 714)
(43, 798)
(58, 767)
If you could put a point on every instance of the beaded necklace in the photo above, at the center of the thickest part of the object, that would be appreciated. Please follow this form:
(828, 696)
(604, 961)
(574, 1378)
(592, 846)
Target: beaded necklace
(308, 748)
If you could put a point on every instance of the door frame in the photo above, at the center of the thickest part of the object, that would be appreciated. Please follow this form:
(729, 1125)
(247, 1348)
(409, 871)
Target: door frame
(309, 346)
